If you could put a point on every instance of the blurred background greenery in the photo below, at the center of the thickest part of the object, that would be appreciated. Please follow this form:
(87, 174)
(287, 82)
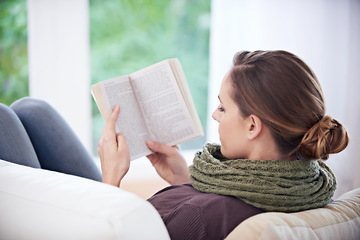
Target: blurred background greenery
(13, 51)
(129, 35)
(125, 36)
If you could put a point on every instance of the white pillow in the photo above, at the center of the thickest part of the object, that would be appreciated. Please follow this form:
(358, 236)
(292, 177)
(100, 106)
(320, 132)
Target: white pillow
(41, 204)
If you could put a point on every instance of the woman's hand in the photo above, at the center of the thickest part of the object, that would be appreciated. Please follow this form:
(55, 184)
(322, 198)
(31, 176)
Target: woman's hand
(113, 152)
(169, 163)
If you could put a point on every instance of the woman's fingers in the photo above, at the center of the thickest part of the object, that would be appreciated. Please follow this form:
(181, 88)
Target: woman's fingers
(160, 148)
(113, 152)
(108, 133)
(122, 144)
(111, 122)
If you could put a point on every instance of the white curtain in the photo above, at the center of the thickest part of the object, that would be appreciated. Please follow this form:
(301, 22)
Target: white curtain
(59, 60)
(325, 34)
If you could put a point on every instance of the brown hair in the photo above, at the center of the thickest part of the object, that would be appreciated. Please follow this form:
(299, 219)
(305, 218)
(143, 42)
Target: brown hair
(285, 94)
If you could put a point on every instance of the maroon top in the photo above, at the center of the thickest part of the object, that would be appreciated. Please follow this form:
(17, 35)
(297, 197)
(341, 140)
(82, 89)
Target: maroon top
(190, 214)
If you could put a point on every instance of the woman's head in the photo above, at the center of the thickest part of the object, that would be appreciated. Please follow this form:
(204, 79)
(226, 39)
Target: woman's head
(284, 93)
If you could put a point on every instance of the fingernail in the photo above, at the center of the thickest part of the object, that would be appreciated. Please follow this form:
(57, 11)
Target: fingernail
(149, 143)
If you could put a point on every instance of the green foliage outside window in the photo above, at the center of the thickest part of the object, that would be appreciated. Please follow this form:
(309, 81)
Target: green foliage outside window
(129, 35)
(13, 51)
(125, 35)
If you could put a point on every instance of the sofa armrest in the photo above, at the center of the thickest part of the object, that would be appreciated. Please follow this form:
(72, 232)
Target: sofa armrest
(41, 204)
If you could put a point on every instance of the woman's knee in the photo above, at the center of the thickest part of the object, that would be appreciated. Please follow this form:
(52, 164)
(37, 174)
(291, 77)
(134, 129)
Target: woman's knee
(6, 113)
(29, 105)
(15, 144)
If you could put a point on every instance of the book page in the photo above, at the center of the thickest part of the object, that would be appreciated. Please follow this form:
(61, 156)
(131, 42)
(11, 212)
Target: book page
(162, 104)
(185, 91)
(118, 91)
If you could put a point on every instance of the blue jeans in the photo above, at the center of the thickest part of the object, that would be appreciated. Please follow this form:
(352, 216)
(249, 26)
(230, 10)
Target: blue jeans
(33, 134)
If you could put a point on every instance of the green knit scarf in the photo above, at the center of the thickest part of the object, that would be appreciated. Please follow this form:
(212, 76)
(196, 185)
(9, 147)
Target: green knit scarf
(272, 185)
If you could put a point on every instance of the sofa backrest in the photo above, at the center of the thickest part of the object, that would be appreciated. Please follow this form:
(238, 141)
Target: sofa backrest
(41, 204)
(338, 220)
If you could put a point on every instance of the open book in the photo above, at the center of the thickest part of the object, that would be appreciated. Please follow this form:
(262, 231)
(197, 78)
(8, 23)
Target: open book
(155, 104)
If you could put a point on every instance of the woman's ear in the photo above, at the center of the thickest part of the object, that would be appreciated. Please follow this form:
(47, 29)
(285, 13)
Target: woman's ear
(255, 126)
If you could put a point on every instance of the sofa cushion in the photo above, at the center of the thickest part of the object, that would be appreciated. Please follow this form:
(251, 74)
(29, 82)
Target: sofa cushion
(41, 204)
(338, 220)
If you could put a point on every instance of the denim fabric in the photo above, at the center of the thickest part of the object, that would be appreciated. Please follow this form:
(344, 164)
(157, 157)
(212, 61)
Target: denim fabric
(33, 133)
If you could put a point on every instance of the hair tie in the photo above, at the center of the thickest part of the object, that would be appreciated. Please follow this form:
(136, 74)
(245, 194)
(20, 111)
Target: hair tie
(299, 157)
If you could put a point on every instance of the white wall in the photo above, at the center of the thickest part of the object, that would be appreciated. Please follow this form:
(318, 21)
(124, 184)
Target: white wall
(325, 34)
(59, 60)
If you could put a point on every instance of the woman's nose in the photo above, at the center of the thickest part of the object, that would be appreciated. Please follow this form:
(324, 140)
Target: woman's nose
(215, 115)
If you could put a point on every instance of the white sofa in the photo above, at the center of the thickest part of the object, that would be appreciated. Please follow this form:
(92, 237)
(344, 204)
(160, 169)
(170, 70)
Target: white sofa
(40, 204)
(339, 220)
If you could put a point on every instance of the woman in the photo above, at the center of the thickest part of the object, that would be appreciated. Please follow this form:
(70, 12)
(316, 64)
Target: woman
(272, 128)
(272, 123)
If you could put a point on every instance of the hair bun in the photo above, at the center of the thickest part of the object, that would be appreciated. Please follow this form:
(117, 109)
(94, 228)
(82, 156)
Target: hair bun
(325, 137)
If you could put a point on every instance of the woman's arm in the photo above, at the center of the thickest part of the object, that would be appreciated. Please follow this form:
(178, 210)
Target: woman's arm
(113, 152)
(169, 163)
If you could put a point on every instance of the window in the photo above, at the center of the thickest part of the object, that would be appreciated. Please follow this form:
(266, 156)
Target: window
(13, 51)
(129, 35)
(125, 36)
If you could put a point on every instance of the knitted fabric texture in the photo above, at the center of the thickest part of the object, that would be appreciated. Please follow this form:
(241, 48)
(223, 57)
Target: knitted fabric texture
(272, 185)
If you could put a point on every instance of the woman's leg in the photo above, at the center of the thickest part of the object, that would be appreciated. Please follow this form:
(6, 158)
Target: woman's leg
(15, 145)
(55, 144)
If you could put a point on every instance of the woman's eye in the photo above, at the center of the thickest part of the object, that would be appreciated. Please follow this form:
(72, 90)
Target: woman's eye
(221, 109)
